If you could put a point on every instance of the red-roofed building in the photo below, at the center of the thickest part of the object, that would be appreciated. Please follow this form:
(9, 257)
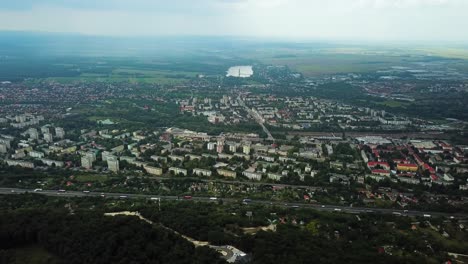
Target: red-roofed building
(429, 168)
(376, 153)
(445, 146)
(418, 160)
(187, 108)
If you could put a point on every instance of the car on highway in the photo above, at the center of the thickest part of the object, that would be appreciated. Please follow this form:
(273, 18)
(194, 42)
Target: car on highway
(154, 198)
(37, 190)
(213, 198)
(123, 196)
(246, 201)
(187, 197)
(85, 191)
(61, 191)
(337, 210)
(427, 215)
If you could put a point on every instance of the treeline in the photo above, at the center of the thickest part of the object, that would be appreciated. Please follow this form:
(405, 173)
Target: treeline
(450, 104)
(91, 237)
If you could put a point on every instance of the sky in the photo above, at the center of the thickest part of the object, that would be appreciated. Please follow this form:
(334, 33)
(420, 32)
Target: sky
(366, 20)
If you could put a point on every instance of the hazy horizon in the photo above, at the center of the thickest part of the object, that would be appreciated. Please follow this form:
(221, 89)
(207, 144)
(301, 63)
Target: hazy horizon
(413, 21)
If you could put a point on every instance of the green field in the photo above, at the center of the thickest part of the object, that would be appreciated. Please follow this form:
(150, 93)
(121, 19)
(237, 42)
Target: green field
(331, 61)
(132, 75)
(91, 178)
(317, 61)
(392, 103)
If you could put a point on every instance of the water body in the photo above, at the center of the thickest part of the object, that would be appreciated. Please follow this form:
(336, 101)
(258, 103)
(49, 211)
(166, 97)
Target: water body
(240, 71)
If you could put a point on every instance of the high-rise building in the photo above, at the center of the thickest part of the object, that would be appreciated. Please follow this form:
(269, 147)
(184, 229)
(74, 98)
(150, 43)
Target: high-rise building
(6, 142)
(220, 146)
(33, 133)
(233, 147)
(87, 161)
(48, 137)
(45, 130)
(59, 132)
(211, 146)
(113, 164)
(246, 149)
(105, 155)
(3, 148)
(20, 118)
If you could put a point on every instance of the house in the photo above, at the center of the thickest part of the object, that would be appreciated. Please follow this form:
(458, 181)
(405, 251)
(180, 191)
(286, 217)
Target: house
(202, 172)
(55, 163)
(227, 173)
(36, 154)
(159, 158)
(153, 170)
(339, 178)
(405, 179)
(266, 158)
(20, 163)
(381, 172)
(429, 168)
(176, 158)
(376, 177)
(336, 165)
(252, 175)
(448, 177)
(372, 164)
(178, 171)
(274, 176)
(407, 167)
(193, 157)
(225, 156)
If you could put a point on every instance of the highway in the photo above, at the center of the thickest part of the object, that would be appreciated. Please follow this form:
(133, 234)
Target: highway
(312, 188)
(319, 207)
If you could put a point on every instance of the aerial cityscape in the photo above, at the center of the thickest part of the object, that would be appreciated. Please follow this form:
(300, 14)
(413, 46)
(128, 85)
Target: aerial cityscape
(208, 146)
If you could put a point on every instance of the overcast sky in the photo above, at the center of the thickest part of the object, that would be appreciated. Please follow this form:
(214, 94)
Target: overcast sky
(359, 20)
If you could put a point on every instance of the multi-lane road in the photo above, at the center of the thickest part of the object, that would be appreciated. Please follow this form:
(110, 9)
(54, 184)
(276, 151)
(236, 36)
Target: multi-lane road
(257, 117)
(319, 207)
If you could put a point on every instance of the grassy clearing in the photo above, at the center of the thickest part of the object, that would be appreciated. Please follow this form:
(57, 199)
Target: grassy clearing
(391, 103)
(91, 178)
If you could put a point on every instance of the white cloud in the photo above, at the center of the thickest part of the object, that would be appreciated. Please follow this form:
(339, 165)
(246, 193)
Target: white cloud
(433, 20)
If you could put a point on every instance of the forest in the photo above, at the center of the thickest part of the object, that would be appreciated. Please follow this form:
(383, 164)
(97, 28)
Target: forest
(90, 237)
(75, 230)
